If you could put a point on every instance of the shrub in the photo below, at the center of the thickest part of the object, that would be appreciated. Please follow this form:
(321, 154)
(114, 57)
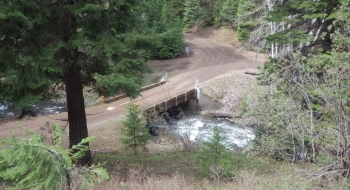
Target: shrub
(135, 133)
(214, 157)
(32, 164)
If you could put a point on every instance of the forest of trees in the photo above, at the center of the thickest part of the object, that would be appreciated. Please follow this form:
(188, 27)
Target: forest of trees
(302, 106)
(304, 114)
(45, 44)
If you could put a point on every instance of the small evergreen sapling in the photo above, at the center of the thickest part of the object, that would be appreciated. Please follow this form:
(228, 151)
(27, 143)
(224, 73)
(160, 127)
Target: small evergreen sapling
(213, 153)
(32, 164)
(135, 134)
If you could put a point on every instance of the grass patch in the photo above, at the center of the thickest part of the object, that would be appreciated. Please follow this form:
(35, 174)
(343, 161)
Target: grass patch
(178, 170)
(180, 162)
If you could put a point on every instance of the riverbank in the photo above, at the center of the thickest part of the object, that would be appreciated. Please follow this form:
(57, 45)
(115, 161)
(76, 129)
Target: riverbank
(229, 89)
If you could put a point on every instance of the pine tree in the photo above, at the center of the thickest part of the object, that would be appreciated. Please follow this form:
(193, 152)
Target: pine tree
(248, 13)
(71, 42)
(173, 10)
(191, 13)
(216, 6)
(154, 17)
(303, 24)
(136, 135)
(214, 153)
(168, 38)
(33, 164)
(212, 150)
(308, 112)
(228, 12)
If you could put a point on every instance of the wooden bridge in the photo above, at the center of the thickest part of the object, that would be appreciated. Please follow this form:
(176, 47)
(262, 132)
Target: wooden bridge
(162, 103)
(174, 101)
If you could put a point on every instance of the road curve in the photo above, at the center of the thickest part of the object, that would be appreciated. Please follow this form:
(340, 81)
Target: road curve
(209, 60)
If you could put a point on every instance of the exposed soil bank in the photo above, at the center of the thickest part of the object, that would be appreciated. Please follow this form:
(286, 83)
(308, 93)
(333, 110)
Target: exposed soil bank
(229, 89)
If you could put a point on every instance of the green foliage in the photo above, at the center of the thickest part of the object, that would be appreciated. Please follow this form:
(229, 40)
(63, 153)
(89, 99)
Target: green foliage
(228, 12)
(172, 44)
(217, 12)
(34, 47)
(213, 154)
(154, 17)
(74, 43)
(135, 133)
(173, 10)
(305, 22)
(197, 12)
(22, 79)
(277, 126)
(183, 163)
(307, 107)
(125, 74)
(248, 14)
(308, 104)
(33, 164)
(191, 13)
(340, 37)
(206, 15)
(167, 41)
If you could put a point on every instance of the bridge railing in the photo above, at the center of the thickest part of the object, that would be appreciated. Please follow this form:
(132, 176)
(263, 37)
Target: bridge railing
(172, 100)
(118, 97)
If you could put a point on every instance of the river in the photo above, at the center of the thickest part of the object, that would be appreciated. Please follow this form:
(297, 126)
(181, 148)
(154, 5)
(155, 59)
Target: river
(199, 127)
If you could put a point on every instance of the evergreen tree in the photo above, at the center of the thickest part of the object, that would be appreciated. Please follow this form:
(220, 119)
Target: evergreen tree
(135, 132)
(173, 10)
(32, 164)
(171, 43)
(206, 13)
(304, 24)
(214, 153)
(228, 12)
(249, 13)
(216, 7)
(154, 17)
(71, 42)
(191, 13)
(306, 112)
(167, 39)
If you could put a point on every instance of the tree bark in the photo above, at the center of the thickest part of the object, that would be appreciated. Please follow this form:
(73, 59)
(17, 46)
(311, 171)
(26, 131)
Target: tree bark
(76, 110)
(72, 79)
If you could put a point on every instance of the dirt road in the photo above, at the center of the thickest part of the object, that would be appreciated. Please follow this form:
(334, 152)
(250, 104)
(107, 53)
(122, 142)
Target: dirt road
(209, 59)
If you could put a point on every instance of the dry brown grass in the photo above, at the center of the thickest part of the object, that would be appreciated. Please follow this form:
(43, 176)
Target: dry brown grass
(244, 180)
(224, 35)
(139, 181)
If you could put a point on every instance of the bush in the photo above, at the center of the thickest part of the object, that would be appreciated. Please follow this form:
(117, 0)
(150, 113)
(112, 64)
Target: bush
(32, 164)
(135, 133)
(214, 157)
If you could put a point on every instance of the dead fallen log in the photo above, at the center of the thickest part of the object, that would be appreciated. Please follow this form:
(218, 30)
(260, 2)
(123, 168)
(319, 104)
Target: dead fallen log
(251, 73)
(222, 115)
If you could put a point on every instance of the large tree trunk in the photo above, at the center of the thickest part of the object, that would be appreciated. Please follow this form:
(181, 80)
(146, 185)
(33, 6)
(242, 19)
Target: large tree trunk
(72, 78)
(76, 110)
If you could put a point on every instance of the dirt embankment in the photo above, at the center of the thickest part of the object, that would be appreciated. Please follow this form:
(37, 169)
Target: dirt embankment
(228, 89)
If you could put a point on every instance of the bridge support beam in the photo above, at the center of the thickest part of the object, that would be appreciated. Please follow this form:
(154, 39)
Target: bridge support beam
(172, 102)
